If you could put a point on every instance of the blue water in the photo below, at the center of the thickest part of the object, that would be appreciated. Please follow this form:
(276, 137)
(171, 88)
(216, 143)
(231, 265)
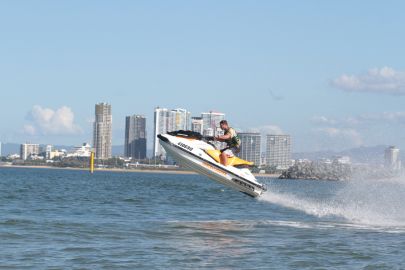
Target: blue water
(62, 219)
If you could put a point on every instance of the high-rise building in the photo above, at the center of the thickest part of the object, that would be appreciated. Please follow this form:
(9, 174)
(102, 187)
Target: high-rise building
(102, 131)
(168, 120)
(179, 119)
(135, 137)
(28, 149)
(161, 123)
(250, 147)
(278, 151)
(211, 123)
(197, 124)
(0, 149)
(392, 160)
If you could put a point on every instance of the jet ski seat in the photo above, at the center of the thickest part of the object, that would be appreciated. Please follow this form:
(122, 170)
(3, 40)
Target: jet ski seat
(232, 161)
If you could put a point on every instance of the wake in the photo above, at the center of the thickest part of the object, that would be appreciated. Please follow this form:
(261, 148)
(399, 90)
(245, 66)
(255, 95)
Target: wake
(368, 202)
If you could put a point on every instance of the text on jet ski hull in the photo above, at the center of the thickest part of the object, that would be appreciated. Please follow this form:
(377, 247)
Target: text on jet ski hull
(185, 146)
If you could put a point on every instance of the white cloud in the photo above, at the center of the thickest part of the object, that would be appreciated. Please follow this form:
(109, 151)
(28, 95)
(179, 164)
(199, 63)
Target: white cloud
(351, 121)
(392, 117)
(385, 80)
(49, 122)
(348, 135)
(358, 130)
(29, 129)
(323, 120)
(268, 129)
(361, 120)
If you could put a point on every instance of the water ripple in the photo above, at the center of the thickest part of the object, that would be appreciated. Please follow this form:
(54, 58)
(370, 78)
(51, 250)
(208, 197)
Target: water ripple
(57, 219)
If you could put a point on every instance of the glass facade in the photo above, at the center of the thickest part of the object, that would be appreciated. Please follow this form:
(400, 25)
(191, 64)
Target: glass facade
(135, 137)
(250, 147)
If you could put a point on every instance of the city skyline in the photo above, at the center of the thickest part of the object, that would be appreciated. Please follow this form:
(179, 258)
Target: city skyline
(329, 74)
(252, 149)
(150, 145)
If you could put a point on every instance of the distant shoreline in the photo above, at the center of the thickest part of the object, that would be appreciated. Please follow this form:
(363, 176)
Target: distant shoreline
(121, 170)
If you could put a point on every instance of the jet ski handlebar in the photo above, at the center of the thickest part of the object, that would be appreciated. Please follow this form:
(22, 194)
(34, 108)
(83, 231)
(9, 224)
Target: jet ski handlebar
(209, 138)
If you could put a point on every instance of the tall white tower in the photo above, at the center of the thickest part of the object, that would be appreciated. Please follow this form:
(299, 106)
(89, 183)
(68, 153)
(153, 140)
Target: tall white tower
(168, 120)
(161, 123)
(211, 123)
(278, 151)
(250, 147)
(102, 131)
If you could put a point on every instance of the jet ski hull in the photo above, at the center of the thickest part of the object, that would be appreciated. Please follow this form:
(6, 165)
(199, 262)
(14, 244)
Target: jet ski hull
(201, 163)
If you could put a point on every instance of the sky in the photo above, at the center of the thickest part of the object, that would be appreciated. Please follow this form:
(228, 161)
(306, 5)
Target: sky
(329, 73)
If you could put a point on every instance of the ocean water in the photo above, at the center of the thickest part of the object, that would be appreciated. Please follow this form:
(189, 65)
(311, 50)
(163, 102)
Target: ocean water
(62, 219)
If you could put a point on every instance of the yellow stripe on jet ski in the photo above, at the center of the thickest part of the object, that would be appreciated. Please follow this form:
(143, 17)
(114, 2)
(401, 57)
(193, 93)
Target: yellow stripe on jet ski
(232, 161)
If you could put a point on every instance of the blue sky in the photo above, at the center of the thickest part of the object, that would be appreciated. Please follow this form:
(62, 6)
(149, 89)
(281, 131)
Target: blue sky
(330, 73)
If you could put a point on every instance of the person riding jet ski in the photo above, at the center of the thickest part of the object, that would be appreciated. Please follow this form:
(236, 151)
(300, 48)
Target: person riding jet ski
(195, 151)
(232, 141)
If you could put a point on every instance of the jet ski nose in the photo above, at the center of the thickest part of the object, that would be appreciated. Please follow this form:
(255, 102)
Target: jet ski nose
(163, 138)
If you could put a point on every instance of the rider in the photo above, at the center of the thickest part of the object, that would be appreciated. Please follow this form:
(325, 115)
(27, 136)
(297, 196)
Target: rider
(232, 141)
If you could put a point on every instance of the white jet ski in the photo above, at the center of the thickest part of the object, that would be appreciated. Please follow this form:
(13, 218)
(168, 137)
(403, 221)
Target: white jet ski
(192, 150)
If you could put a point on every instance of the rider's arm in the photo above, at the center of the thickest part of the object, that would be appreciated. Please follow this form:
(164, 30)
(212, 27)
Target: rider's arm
(223, 137)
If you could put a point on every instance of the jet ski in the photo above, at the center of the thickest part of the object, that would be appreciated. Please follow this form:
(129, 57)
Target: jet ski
(196, 152)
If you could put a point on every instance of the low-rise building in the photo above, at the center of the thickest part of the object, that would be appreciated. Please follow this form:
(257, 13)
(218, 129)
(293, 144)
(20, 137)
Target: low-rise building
(342, 159)
(80, 151)
(13, 156)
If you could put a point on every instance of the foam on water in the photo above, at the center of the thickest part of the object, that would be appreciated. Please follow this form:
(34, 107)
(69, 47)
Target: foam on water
(249, 225)
(368, 202)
